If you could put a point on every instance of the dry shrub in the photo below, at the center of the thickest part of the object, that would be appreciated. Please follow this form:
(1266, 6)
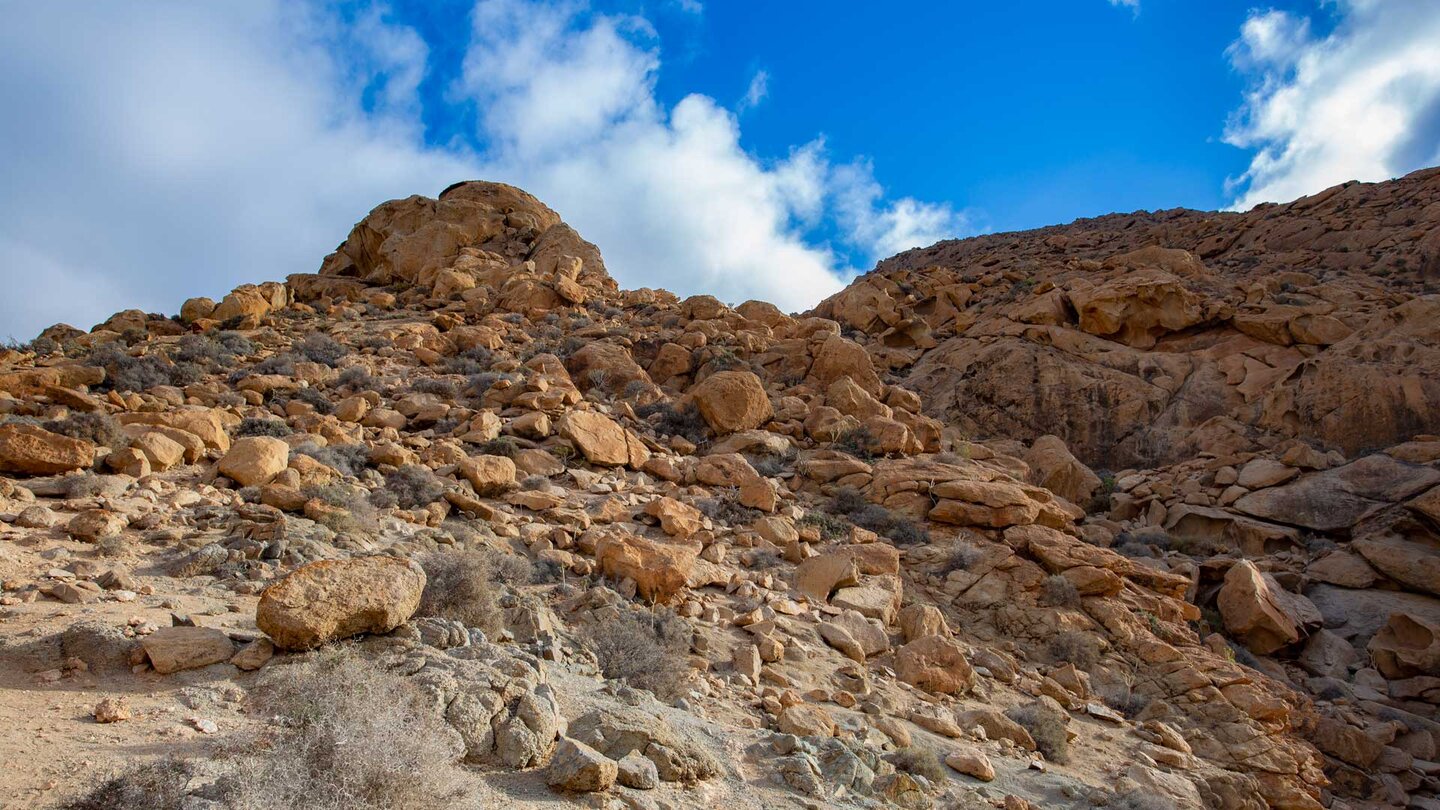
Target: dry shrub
(646, 650)
(1047, 727)
(920, 761)
(347, 735)
(1059, 592)
(1075, 647)
(158, 785)
(466, 585)
(100, 428)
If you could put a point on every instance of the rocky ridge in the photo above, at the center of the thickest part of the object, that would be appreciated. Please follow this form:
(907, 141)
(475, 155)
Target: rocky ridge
(858, 559)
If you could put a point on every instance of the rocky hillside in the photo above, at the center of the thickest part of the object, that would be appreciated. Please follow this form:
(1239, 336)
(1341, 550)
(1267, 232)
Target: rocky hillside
(1148, 338)
(455, 521)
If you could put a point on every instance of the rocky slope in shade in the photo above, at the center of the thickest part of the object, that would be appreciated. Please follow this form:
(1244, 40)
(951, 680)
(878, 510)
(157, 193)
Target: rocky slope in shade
(855, 579)
(1142, 338)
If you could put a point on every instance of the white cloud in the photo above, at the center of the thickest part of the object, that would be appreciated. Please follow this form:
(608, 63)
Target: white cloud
(1133, 5)
(756, 92)
(1362, 103)
(175, 149)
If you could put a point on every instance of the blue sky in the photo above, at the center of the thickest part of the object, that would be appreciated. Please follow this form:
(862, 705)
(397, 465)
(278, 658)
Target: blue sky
(159, 150)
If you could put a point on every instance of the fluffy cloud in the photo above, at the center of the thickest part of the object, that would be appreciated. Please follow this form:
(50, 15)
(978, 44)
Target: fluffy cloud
(670, 195)
(175, 149)
(1361, 103)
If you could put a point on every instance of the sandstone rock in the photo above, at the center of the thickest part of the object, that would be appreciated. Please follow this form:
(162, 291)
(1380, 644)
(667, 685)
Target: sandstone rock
(1406, 646)
(819, 576)
(254, 460)
(1260, 612)
(578, 768)
(92, 525)
(489, 475)
(112, 710)
(676, 519)
(1336, 499)
(1413, 563)
(602, 441)
(635, 771)
(172, 649)
(1138, 307)
(971, 763)
(31, 450)
(1053, 467)
(659, 570)
(806, 720)
(935, 664)
(732, 401)
(334, 599)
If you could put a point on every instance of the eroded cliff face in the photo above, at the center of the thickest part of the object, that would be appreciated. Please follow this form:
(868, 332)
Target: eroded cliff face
(675, 551)
(1145, 338)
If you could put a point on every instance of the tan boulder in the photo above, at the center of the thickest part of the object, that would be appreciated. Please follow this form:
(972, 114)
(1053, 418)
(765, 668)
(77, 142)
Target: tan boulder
(677, 519)
(172, 649)
(819, 576)
(1406, 647)
(659, 570)
(489, 475)
(847, 397)
(254, 460)
(1137, 308)
(577, 768)
(334, 599)
(1263, 615)
(1053, 467)
(731, 401)
(806, 720)
(840, 357)
(935, 664)
(32, 450)
(602, 441)
(996, 504)
(162, 451)
(918, 620)
(971, 763)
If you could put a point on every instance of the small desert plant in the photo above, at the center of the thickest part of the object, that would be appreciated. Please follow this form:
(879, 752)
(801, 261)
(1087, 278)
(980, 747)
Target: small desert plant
(962, 558)
(100, 428)
(158, 785)
(126, 373)
(635, 388)
(355, 378)
(1124, 699)
(1057, 591)
(832, 527)
(83, 486)
(856, 441)
(500, 446)
(1047, 727)
(726, 508)
(348, 735)
(920, 761)
(435, 386)
(646, 650)
(346, 459)
(282, 364)
(410, 487)
(321, 348)
(475, 360)
(1075, 647)
(358, 516)
(852, 504)
(465, 585)
(252, 426)
(773, 464)
(668, 420)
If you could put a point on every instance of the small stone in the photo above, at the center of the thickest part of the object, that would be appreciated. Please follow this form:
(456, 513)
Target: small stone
(635, 771)
(578, 768)
(112, 710)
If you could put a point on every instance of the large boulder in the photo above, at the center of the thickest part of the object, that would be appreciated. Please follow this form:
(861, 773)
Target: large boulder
(935, 664)
(578, 768)
(1053, 467)
(172, 649)
(659, 570)
(1407, 646)
(489, 475)
(1260, 613)
(255, 460)
(732, 401)
(32, 450)
(602, 441)
(1137, 308)
(1336, 499)
(334, 599)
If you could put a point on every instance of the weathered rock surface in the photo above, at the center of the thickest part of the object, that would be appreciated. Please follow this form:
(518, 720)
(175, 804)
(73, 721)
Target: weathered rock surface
(335, 599)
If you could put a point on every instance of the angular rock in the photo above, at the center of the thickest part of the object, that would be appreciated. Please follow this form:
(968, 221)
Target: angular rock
(172, 649)
(334, 599)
